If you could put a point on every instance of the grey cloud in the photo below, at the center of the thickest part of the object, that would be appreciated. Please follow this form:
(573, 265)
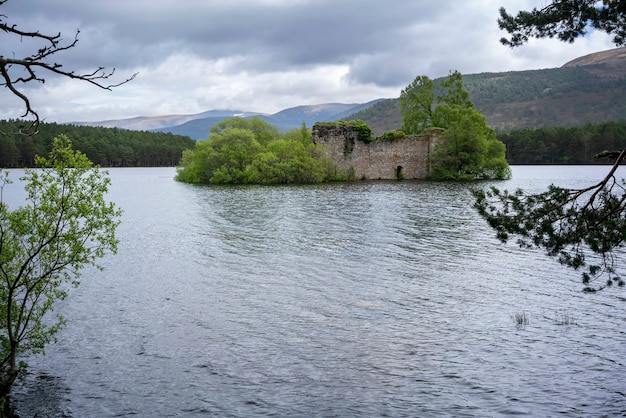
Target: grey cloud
(134, 33)
(239, 51)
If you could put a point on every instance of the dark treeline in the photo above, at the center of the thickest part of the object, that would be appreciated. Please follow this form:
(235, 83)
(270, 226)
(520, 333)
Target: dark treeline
(559, 145)
(108, 147)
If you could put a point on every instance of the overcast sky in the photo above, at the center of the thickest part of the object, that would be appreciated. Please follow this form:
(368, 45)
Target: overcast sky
(263, 55)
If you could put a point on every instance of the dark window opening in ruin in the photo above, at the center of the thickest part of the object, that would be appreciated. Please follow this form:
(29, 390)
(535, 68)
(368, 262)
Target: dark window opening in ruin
(348, 145)
(399, 173)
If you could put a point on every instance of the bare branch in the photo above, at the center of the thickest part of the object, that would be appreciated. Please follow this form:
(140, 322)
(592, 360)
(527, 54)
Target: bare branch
(30, 67)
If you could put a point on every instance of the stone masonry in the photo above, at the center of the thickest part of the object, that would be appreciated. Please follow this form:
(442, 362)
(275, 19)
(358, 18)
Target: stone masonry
(406, 157)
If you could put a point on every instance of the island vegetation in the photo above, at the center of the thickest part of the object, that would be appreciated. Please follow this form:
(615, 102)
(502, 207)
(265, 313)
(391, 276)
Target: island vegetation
(469, 148)
(252, 151)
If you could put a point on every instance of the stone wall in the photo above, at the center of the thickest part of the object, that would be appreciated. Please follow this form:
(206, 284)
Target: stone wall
(406, 157)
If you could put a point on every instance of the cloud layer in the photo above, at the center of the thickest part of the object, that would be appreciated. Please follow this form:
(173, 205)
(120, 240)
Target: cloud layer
(263, 55)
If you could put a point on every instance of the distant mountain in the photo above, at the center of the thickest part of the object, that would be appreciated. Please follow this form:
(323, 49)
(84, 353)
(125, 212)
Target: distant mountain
(154, 123)
(589, 89)
(611, 62)
(294, 117)
(284, 120)
(197, 126)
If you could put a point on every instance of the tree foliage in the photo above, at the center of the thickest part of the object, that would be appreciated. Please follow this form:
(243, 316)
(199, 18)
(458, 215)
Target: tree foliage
(468, 148)
(582, 228)
(417, 104)
(109, 147)
(565, 20)
(564, 145)
(252, 151)
(65, 226)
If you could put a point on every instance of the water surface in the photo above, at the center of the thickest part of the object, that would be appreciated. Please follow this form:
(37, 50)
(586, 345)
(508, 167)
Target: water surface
(350, 299)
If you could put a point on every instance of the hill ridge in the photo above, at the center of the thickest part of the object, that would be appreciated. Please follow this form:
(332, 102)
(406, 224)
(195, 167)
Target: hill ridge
(590, 88)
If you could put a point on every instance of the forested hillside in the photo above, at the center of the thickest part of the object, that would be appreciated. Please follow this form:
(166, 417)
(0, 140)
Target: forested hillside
(564, 145)
(590, 89)
(567, 96)
(108, 147)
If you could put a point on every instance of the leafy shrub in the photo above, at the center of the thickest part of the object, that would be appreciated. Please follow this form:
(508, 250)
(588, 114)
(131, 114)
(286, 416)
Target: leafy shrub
(252, 151)
(364, 131)
(392, 135)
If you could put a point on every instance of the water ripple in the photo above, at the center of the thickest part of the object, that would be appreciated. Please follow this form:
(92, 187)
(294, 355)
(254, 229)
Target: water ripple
(362, 299)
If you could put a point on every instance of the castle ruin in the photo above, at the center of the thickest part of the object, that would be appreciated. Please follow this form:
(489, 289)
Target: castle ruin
(402, 158)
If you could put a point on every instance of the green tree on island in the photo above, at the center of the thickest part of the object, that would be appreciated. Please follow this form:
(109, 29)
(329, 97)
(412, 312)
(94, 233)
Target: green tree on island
(252, 151)
(65, 226)
(582, 228)
(469, 148)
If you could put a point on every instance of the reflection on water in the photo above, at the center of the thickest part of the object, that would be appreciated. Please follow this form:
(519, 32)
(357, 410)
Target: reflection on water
(360, 299)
